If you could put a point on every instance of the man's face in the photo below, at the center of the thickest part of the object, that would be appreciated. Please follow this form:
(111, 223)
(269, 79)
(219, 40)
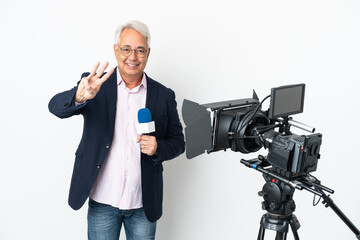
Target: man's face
(131, 66)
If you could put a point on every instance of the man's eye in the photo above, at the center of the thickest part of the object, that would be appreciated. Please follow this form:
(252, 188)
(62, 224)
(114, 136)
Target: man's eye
(126, 50)
(140, 51)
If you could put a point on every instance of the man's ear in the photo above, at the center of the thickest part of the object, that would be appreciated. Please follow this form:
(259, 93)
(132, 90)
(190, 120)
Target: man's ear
(115, 49)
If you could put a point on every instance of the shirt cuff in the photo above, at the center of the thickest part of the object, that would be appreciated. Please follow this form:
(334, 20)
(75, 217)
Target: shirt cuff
(80, 104)
(154, 158)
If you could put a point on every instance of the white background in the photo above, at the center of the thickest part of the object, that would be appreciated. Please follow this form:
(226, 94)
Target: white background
(206, 51)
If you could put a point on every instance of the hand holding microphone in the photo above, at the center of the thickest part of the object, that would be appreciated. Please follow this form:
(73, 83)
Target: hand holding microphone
(148, 144)
(144, 127)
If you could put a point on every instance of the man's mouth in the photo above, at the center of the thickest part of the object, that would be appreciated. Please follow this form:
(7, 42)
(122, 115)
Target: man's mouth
(132, 65)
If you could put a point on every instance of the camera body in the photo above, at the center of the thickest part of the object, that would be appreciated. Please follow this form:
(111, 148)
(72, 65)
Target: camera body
(243, 127)
(293, 153)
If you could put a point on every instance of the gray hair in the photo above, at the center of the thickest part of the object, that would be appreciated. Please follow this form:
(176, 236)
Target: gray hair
(142, 28)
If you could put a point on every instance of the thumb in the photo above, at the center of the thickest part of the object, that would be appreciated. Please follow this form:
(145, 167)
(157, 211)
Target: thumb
(138, 139)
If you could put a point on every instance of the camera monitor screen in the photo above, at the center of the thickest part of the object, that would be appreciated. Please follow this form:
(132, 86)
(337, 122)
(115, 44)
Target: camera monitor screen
(287, 100)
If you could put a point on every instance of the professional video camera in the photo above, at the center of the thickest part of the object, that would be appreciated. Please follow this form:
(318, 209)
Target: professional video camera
(242, 126)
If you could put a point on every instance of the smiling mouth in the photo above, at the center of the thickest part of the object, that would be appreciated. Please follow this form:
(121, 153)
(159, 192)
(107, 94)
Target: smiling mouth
(132, 65)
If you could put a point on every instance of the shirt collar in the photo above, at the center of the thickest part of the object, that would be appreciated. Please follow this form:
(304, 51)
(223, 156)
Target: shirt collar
(120, 81)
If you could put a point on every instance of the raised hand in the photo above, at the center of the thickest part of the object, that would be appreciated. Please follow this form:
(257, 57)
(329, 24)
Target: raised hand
(89, 86)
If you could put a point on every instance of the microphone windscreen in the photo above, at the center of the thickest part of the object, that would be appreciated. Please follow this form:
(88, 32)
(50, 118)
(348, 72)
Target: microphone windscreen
(144, 115)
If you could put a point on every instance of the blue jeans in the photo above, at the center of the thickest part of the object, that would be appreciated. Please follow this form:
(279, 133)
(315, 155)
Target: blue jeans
(105, 221)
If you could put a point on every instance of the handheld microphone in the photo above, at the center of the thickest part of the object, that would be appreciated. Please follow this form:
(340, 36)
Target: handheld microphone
(145, 125)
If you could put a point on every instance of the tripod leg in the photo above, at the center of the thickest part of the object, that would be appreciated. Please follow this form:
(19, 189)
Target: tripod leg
(294, 229)
(280, 236)
(261, 233)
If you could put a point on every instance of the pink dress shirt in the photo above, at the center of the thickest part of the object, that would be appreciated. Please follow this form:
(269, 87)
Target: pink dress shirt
(119, 181)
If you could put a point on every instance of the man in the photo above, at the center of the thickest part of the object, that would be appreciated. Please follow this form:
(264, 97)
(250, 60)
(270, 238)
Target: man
(120, 171)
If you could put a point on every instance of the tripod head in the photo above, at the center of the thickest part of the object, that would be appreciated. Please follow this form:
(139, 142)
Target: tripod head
(278, 197)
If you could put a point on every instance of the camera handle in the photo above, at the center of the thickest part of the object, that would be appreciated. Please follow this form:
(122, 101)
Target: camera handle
(290, 122)
(315, 187)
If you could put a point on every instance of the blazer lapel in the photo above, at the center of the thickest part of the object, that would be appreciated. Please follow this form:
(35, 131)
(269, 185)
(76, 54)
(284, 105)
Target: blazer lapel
(151, 95)
(111, 97)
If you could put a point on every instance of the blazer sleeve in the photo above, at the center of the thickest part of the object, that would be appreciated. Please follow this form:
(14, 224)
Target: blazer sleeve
(173, 144)
(63, 105)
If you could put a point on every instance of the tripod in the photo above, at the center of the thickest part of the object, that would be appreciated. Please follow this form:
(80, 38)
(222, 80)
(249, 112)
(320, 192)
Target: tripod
(278, 201)
(279, 204)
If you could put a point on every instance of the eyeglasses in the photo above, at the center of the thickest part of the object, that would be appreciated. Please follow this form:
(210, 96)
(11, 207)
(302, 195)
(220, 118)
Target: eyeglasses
(140, 52)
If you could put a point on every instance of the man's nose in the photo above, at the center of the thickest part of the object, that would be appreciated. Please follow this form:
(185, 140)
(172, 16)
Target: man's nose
(133, 55)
